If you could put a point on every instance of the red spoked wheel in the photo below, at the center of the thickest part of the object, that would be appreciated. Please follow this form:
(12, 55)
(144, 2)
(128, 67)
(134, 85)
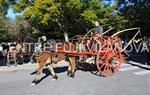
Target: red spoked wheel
(109, 59)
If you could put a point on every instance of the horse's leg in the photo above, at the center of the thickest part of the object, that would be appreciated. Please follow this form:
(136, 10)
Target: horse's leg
(38, 72)
(51, 69)
(73, 66)
(69, 68)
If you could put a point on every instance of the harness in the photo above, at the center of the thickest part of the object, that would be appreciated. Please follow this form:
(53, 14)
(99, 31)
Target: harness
(54, 55)
(52, 44)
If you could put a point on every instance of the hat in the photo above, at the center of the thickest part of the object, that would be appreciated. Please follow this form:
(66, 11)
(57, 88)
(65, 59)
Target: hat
(44, 38)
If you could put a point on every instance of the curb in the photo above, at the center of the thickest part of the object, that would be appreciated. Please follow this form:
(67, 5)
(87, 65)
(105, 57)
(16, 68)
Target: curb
(139, 64)
(18, 67)
(28, 66)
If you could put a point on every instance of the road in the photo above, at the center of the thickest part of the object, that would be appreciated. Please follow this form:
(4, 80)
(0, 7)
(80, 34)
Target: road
(130, 80)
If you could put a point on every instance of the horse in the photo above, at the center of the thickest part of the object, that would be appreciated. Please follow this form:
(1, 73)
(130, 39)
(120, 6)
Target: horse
(49, 58)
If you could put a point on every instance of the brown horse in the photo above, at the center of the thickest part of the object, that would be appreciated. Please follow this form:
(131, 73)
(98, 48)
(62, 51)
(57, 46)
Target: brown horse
(48, 58)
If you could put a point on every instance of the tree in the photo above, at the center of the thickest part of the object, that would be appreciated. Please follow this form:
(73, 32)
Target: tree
(3, 11)
(137, 13)
(3, 20)
(73, 16)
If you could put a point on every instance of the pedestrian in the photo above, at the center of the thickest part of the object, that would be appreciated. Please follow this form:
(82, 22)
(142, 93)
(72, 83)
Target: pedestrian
(41, 42)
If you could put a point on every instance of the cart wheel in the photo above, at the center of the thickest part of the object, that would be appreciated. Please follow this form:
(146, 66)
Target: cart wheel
(110, 59)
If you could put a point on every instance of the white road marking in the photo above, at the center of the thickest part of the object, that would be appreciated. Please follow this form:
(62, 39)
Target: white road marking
(142, 72)
(139, 64)
(125, 65)
(128, 68)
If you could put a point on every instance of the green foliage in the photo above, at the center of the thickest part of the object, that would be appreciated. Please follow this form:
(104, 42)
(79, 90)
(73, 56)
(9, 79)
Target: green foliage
(3, 7)
(43, 12)
(111, 17)
(137, 13)
(72, 16)
(6, 36)
(89, 15)
(74, 5)
(3, 21)
(3, 11)
(53, 17)
(19, 5)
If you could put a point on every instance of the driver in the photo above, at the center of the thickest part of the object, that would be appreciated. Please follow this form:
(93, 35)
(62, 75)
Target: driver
(98, 28)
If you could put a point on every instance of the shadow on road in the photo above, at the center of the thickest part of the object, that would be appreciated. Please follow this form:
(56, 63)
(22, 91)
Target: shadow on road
(139, 57)
(92, 68)
(47, 73)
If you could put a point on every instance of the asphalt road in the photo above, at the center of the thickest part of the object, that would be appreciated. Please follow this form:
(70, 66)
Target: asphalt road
(128, 81)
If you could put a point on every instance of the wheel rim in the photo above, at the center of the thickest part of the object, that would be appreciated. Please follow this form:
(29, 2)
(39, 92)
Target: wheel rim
(110, 60)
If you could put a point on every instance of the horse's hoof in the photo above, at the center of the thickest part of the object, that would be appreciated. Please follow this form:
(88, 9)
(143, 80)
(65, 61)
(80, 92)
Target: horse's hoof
(32, 84)
(70, 77)
(53, 79)
(71, 74)
(68, 73)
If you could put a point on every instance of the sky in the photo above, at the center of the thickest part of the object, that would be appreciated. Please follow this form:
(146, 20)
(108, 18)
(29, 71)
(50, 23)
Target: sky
(11, 13)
